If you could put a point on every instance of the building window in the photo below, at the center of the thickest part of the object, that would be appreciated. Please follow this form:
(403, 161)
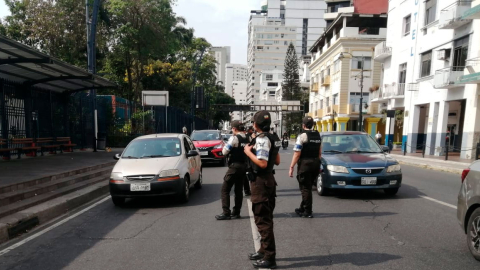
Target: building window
(426, 62)
(321, 104)
(402, 73)
(336, 66)
(406, 25)
(269, 77)
(357, 63)
(272, 84)
(335, 99)
(430, 11)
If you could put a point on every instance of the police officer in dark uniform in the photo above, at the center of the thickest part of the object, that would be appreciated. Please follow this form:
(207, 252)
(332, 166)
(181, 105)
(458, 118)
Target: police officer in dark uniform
(307, 157)
(235, 175)
(246, 184)
(262, 153)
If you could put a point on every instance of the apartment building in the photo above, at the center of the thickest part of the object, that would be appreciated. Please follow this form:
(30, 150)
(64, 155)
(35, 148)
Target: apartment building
(234, 72)
(342, 59)
(239, 93)
(222, 55)
(431, 75)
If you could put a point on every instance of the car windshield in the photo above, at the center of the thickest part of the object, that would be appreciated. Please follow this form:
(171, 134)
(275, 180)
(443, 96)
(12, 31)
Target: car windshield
(349, 143)
(153, 148)
(226, 137)
(205, 136)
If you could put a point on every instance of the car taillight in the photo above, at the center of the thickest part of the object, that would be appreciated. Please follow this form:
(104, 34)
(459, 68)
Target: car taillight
(464, 174)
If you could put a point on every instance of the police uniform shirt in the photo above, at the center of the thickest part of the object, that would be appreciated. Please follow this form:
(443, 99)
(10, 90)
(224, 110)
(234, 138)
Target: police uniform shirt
(232, 142)
(262, 147)
(302, 139)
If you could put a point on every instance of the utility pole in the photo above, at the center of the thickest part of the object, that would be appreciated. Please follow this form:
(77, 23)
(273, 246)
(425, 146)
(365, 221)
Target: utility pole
(361, 96)
(91, 55)
(192, 94)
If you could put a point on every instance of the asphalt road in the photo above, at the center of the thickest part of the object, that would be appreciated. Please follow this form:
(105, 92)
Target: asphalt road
(350, 230)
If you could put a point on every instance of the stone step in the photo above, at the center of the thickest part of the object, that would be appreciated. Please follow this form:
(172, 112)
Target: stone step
(36, 190)
(45, 179)
(21, 205)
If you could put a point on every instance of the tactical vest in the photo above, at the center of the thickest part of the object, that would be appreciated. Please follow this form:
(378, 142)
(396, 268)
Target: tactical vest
(237, 155)
(311, 148)
(272, 154)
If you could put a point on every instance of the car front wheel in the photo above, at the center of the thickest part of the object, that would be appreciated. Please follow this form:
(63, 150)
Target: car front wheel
(185, 191)
(391, 191)
(473, 234)
(322, 191)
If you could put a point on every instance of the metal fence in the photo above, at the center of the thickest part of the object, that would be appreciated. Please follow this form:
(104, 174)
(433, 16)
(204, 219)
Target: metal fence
(30, 112)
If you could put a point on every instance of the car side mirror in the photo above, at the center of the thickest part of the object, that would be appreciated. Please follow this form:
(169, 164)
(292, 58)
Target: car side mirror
(116, 157)
(192, 153)
(385, 149)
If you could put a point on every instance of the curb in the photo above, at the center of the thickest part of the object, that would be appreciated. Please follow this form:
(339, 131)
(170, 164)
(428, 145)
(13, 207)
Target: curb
(23, 221)
(430, 167)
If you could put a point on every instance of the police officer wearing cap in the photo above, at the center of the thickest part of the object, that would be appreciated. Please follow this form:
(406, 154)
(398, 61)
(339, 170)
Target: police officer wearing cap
(262, 153)
(307, 156)
(237, 162)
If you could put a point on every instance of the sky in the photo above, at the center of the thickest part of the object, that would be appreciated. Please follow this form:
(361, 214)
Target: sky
(221, 22)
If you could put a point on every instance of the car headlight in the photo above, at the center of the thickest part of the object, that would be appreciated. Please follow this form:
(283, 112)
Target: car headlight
(394, 168)
(168, 173)
(337, 169)
(218, 146)
(116, 177)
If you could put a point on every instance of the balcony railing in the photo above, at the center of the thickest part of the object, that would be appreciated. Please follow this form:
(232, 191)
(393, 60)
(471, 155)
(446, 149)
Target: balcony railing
(382, 51)
(451, 16)
(394, 90)
(326, 80)
(446, 77)
(314, 87)
(377, 94)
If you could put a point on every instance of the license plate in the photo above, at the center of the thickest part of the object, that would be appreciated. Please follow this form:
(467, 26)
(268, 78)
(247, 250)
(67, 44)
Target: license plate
(369, 180)
(203, 153)
(140, 187)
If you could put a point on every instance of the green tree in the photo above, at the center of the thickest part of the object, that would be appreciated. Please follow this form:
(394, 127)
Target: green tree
(291, 82)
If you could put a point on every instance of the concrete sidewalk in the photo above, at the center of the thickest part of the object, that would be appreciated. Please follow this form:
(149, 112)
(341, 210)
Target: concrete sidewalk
(433, 164)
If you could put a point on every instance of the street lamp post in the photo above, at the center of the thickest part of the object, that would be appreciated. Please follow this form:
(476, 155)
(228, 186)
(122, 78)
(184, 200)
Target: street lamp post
(192, 95)
(341, 56)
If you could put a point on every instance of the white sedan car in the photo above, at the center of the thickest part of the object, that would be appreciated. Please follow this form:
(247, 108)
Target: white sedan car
(156, 165)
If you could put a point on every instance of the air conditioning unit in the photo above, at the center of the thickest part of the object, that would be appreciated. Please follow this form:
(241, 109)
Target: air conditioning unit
(443, 54)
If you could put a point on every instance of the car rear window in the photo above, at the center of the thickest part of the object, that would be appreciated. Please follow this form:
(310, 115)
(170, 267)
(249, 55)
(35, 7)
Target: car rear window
(153, 148)
(205, 136)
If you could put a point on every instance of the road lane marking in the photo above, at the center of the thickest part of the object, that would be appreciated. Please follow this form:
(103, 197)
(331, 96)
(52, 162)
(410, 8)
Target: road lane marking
(440, 202)
(26, 240)
(255, 233)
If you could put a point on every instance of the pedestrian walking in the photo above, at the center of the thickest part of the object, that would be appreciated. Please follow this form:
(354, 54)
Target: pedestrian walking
(263, 155)
(184, 130)
(378, 137)
(307, 158)
(236, 173)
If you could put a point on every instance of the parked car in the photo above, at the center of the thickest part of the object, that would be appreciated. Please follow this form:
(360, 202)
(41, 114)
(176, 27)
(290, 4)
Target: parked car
(353, 160)
(209, 144)
(468, 207)
(156, 165)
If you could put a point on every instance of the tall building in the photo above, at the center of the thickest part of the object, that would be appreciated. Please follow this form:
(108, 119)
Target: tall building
(234, 72)
(222, 55)
(431, 62)
(239, 93)
(272, 29)
(342, 59)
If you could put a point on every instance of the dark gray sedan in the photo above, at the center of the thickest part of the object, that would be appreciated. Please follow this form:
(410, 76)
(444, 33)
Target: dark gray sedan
(353, 160)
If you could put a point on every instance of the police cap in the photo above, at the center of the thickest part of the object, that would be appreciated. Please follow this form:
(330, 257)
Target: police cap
(308, 121)
(263, 119)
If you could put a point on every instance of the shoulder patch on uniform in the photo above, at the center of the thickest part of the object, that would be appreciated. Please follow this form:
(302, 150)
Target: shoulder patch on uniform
(278, 143)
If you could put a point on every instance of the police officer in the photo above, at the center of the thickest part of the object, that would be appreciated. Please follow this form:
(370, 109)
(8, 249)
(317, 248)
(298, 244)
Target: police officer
(246, 184)
(236, 171)
(262, 153)
(307, 157)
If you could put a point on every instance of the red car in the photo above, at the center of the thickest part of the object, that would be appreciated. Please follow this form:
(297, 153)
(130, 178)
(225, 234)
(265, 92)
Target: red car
(209, 144)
